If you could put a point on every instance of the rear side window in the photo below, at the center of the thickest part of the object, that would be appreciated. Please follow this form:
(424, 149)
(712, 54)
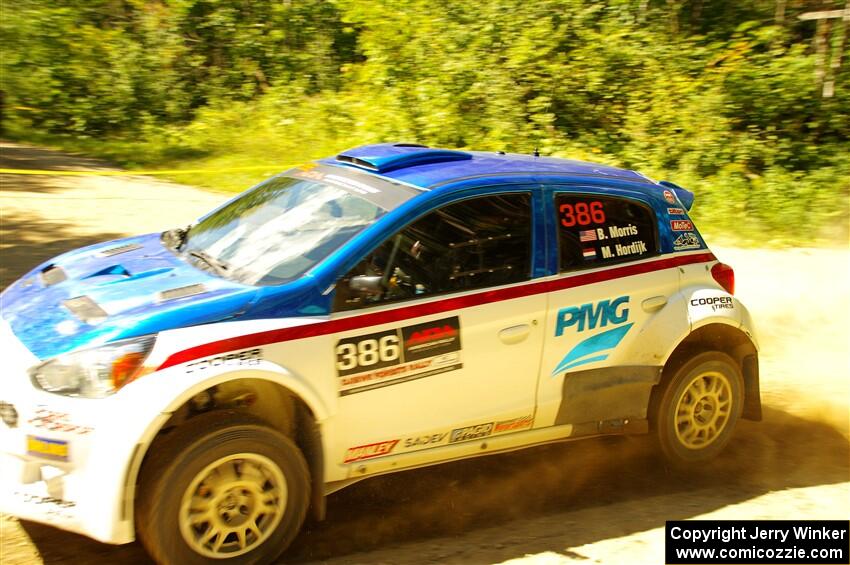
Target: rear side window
(476, 243)
(598, 230)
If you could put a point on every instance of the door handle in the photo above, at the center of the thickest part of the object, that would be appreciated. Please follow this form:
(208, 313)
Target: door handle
(654, 304)
(515, 334)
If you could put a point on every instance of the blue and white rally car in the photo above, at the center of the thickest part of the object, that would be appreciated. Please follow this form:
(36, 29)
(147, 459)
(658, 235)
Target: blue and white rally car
(392, 307)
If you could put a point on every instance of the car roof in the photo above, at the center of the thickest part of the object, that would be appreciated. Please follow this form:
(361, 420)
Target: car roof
(428, 168)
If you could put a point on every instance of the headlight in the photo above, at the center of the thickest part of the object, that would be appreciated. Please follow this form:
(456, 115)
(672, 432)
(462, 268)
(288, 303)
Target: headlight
(95, 373)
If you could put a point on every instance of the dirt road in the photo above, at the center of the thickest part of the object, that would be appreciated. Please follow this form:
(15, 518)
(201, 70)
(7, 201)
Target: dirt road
(596, 501)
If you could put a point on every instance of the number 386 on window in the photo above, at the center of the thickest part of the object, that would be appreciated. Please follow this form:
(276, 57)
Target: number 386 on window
(582, 214)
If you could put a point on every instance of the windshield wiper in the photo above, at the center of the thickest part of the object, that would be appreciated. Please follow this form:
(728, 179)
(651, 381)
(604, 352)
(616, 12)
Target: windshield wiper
(219, 266)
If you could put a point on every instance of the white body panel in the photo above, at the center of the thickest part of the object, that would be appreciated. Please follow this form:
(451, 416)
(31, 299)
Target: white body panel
(504, 396)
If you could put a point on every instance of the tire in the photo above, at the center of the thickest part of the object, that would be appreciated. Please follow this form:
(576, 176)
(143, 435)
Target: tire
(699, 408)
(224, 488)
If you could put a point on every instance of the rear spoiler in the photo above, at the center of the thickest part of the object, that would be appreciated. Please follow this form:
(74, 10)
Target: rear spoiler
(686, 197)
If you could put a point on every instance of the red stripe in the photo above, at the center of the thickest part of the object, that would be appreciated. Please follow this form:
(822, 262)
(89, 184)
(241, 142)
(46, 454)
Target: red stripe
(436, 307)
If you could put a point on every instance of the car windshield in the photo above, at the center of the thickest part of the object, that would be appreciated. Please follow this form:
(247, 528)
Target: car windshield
(279, 230)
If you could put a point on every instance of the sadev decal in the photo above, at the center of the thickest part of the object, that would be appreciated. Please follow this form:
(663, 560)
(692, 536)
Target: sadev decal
(687, 240)
(675, 212)
(426, 440)
(394, 356)
(588, 317)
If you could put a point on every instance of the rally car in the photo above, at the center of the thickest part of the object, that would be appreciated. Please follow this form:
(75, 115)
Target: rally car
(391, 307)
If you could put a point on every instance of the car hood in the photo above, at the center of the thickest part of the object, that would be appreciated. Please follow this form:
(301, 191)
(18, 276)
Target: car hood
(115, 290)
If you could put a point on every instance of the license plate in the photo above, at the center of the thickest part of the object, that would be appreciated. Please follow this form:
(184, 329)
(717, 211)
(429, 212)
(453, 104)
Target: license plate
(49, 448)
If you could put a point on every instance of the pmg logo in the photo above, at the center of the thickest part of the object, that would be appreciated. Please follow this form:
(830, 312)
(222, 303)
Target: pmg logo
(589, 316)
(598, 346)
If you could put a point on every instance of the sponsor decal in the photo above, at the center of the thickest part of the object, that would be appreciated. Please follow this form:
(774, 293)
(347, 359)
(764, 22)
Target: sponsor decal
(471, 432)
(48, 448)
(715, 302)
(369, 451)
(246, 357)
(588, 317)
(399, 355)
(616, 231)
(52, 508)
(419, 441)
(408, 311)
(675, 212)
(668, 196)
(681, 225)
(56, 422)
(514, 424)
(634, 248)
(687, 240)
(582, 214)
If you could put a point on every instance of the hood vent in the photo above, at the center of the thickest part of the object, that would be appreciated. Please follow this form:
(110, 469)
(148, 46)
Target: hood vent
(85, 309)
(52, 274)
(119, 250)
(181, 292)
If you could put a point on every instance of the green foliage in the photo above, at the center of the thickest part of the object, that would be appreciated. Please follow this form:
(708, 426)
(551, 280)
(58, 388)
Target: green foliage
(715, 95)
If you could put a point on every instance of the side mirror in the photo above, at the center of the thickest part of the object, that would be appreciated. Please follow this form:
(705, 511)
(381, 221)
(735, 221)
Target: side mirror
(364, 284)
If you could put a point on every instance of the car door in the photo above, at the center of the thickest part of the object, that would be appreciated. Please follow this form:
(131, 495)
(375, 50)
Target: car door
(597, 369)
(443, 348)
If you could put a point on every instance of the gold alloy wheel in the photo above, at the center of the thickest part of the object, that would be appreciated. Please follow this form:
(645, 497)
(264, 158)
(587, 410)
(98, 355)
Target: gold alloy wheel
(703, 410)
(233, 505)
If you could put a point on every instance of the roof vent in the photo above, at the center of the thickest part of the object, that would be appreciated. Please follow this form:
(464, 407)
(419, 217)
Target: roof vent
(385, 157)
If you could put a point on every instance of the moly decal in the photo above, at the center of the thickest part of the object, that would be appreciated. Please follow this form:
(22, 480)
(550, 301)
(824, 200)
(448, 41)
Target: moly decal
(681, 225)
(588, 317)
(375, 360)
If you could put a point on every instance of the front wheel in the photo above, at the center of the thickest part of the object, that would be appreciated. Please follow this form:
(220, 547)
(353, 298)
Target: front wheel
(224, 488)
(699, 408)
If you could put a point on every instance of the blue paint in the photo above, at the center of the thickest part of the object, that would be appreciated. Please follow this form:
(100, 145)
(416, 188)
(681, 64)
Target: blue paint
(594, 344)
(127, 285)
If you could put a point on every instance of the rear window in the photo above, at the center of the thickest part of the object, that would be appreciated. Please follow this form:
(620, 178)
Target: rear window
(598, 230)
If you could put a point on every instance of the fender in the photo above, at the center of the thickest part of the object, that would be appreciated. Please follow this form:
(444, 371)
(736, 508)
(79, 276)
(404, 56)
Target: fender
(164, 388)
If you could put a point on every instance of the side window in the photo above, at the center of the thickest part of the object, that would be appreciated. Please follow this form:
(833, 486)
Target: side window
(596, 230)
(475, 243)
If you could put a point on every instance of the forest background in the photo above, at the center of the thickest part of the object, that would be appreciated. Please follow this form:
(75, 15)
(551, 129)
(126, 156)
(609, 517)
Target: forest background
(745, 102)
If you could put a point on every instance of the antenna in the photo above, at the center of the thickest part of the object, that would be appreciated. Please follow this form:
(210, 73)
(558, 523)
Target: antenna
(537, 133)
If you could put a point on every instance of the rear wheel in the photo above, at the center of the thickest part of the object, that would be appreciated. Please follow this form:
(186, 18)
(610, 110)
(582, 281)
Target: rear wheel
(226, 488)
(698, 409)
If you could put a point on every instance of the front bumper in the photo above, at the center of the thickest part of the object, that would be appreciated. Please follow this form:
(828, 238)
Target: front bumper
(58, 462)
